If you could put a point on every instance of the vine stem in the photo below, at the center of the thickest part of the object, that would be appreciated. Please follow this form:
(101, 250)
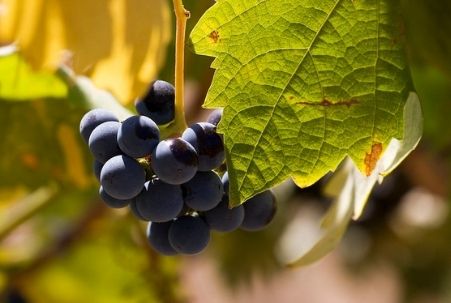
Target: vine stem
(182, 15)
(25, 208)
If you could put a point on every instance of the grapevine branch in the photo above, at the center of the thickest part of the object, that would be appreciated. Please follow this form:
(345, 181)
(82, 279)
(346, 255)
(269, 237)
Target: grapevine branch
(182, 15)
(26, 208)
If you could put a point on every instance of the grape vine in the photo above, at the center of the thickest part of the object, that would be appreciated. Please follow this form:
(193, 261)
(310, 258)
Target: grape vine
(174, 178)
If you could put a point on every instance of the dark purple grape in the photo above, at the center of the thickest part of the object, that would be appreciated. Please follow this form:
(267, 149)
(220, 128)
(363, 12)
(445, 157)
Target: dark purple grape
(224, 219)
(259, 211)
(158, 103)
(138, 136)
(103, 141)
(97, 167)
(122, 177)
(159, 201)
(135, 211)
(157, 234)
(112, 202)
(225, 182)
(203, 192)
(94, 118)
(189, 235)
(174, 161)
(215, 116)
(208, 144)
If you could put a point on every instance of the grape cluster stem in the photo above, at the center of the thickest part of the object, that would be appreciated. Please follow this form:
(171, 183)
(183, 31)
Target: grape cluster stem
(182, 15)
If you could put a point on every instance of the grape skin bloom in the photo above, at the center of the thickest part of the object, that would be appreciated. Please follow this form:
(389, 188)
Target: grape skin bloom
(203, 192)
(112, 202)
(174, 161)
(189, 235)
(259, 211)
(103, 141)
(157, 235)
(159, 201)
(225, 219)
(158, 103)
(122, 177)
(138, 136)
(208, 144)
(94, 118)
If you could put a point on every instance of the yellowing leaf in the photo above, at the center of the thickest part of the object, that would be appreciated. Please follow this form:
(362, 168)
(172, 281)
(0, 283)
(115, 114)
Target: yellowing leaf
(120, 44)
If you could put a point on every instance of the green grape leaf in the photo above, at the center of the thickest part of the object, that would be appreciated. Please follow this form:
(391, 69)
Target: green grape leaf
(304, 84)
(18, 81)
(350, 191)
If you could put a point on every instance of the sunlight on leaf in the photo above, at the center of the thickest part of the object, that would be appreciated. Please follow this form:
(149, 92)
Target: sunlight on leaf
(351, 190)
(18, 81)
(303, 85)
(120, 44)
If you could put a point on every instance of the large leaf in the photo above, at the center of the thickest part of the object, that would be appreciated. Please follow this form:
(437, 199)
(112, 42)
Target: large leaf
(304, 84)
(120, 44)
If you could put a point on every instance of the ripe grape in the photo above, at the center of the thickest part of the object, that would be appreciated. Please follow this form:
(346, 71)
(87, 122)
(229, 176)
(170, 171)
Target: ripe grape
(157, 234)
(122, 177)
(189, 235)
(175, 188)
(159, 201)
(138, 136)
(208, 144)
(158, 103)
(225, 182)
(92, 119)
(112, 202)
(259, 211)
(135, 211)
(97, 167)
(103, 141)
(215, 116)
(203, 192)
(174, 161)
(224, 219)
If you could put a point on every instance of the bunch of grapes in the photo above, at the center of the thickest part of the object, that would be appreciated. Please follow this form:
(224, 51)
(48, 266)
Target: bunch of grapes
(171, 183)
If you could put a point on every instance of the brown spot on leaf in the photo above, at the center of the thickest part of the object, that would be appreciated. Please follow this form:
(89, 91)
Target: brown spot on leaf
(325, 102)
(372, 157)
(328, 103)
(214, 35)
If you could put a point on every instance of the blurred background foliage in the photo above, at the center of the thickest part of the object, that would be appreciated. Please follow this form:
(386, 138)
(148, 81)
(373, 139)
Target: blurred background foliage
(58, 243)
